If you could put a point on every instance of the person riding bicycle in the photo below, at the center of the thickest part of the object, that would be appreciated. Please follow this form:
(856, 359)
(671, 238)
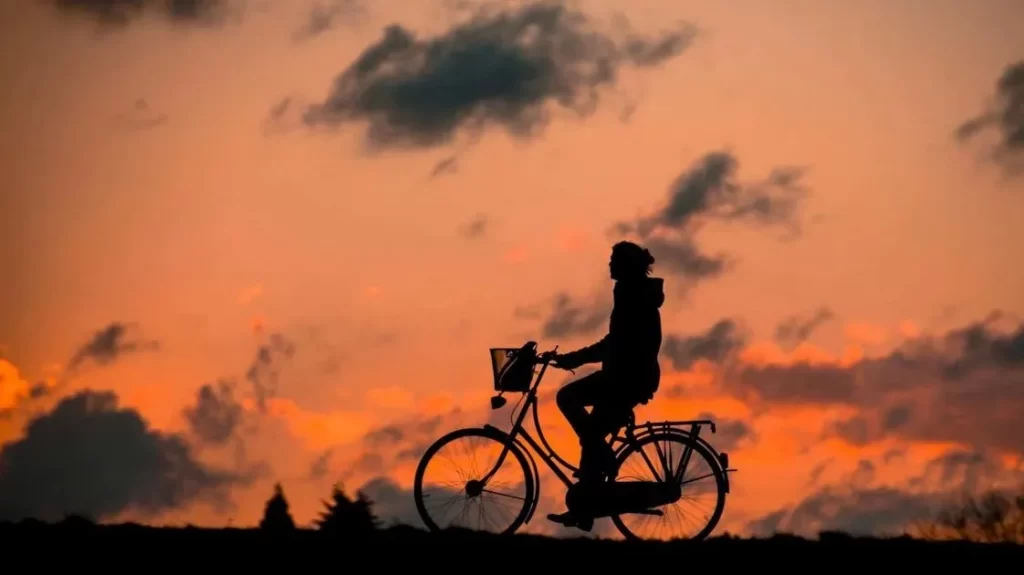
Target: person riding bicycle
(630, 372)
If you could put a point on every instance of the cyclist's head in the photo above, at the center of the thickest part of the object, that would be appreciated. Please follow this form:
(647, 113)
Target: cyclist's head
(630, 261)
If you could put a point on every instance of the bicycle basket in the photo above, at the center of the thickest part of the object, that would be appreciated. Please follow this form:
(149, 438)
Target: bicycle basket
(513, 367)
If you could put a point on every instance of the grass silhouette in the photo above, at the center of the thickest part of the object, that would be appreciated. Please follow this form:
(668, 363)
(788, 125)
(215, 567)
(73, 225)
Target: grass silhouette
(981, 531)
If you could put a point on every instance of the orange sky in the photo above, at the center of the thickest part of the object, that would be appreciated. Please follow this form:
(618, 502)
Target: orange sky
(140, 185)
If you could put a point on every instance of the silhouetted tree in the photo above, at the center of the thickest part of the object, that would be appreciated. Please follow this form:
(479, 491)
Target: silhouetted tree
(276, 516)
(994, 517)
(347, 517)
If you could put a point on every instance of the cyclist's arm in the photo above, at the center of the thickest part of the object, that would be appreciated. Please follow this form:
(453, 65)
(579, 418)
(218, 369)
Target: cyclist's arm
(590, 354)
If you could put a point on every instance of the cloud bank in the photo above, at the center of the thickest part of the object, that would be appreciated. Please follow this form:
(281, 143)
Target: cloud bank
(92, 457)
(498, 69)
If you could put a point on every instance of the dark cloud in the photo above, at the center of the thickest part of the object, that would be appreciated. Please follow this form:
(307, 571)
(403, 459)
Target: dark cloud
(895, 417)
(707, 190)
(527, 312)
(710, 190)
(966, 385)
(682, 256)
(110, 343)
(475, 227)
(281, 117)
(142, 117)
(264, 372)
(863, 475)
(122, 12)
(717, 344)
(815, 475)
(853, 430)
(569, 318)
(90, 456)
(216, 415)
(499, 68)
(447, 165)
(877, 511)
(795, 330)
(1005, 116)
(977, 346)
(396, 443)
(795, 384)
(860, 508)
(392, 504)
(968, 470)
(709, 187)
(321, 466)
(729, 433)
(105, 347)
(325, 16)
(407, 441)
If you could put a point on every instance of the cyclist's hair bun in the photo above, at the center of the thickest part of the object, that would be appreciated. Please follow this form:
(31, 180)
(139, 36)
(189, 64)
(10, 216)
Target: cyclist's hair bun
(637, 257)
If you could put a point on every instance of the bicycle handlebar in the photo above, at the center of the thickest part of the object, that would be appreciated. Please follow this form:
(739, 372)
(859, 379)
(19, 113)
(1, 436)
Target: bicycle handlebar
(545, 357)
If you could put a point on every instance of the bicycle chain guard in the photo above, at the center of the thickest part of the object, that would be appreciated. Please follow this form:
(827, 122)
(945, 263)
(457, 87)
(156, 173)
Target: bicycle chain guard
(616, 498)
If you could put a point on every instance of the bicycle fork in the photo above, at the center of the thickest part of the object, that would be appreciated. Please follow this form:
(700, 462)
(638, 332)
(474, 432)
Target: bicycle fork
(497, 465)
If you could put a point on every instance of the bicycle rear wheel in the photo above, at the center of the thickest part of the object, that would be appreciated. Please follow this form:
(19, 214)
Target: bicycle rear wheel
(662, 455)
(508, 492)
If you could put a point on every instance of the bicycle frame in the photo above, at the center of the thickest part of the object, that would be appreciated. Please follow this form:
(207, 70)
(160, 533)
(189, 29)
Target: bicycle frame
(628, 436)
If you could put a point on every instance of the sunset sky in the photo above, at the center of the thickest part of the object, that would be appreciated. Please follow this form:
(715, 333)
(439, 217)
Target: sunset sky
(832, 191)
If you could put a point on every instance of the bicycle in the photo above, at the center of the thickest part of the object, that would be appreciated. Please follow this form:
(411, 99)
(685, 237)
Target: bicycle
(615, 498)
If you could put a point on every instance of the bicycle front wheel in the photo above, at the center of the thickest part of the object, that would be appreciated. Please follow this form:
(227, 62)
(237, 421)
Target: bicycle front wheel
(673, 456)
(454, 486)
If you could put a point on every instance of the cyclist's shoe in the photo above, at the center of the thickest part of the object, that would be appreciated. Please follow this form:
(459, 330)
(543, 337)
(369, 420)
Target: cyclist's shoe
(567, 519)
(561, 518)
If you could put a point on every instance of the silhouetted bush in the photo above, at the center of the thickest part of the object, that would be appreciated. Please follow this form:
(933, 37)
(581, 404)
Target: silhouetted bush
(76, 521)
(276, 516)
(346, 517)
(994, 517)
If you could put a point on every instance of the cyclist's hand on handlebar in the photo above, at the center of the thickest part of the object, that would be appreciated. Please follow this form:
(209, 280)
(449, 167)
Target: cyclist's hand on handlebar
(564, 362)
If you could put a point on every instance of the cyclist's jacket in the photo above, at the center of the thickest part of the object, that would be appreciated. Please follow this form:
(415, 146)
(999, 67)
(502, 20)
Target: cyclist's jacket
(629, 353)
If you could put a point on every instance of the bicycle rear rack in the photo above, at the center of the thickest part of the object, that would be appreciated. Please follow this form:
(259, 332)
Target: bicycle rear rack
(680, 425)
(694, 425)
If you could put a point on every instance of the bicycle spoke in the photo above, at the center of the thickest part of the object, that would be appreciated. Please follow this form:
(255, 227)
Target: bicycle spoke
(650, 465)
(488, 491)
(696, 508)
(681, 483)
(685, 461)
(454, 470)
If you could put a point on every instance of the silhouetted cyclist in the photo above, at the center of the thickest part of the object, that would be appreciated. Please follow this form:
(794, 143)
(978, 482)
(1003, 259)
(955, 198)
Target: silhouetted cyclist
(629, 374)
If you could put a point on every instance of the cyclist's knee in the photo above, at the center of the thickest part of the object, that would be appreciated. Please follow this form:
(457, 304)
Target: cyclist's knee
(569, 398)
(563, 398)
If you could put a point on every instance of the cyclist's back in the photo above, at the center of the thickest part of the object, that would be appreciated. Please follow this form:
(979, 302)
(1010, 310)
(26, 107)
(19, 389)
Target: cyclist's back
(634, 337)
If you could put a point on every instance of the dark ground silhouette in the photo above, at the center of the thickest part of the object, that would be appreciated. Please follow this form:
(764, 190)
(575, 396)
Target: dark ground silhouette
(348, 524)
(461, 551)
